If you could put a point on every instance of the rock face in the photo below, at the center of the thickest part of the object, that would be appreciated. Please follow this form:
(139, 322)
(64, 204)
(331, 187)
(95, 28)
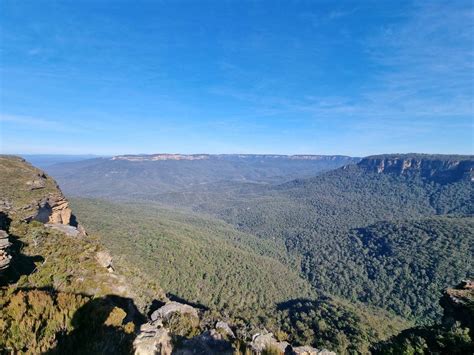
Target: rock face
(5, 257)
(53, 209)
(439, 168)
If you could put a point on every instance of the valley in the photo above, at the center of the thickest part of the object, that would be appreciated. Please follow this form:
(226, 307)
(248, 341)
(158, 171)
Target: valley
(349, 259)
(340, 231)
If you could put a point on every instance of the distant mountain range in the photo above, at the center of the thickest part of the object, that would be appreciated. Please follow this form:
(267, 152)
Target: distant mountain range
(157, 157)
(132, 175)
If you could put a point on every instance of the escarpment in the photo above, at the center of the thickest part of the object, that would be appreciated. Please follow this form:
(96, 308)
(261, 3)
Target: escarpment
(439, 168)
(27, 193)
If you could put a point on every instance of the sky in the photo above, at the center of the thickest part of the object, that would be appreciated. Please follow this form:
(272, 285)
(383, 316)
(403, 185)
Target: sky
(282, 77)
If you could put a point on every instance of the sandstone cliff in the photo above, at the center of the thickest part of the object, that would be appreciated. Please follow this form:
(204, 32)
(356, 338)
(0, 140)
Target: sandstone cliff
(439, 168)
(27, 193)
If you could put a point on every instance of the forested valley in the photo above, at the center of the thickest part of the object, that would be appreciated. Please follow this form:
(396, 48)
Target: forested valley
(312, 248)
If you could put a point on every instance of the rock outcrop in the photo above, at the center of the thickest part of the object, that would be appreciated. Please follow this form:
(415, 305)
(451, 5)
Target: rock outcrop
(27, 193)
(458, 304)
(5, 257)
(225, 329)
(165, 312)
(260, 342)
(152, 339)
(53, 209)
(105, 260)
(439, 168)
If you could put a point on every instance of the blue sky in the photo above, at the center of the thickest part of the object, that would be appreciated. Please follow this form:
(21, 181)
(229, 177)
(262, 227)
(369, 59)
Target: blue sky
(322, 77)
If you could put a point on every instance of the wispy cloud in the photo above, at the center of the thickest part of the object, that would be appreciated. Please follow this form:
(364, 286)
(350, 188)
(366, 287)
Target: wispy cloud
(424, 68)
(35, 123)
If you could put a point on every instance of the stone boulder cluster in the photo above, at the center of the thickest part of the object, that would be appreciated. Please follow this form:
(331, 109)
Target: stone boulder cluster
(155, 337)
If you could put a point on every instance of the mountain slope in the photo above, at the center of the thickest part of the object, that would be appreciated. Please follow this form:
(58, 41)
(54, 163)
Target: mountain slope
(199, 259)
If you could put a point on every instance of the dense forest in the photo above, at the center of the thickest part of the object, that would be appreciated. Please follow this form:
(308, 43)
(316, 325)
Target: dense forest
(323, 221)
(200, 259)
(211, 265)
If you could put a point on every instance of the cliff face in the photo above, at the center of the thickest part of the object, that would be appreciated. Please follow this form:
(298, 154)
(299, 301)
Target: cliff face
(439, 168)
(27, 193)
(53, 209)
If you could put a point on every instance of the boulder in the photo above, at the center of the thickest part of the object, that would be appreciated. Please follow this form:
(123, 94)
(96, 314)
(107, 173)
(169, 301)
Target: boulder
(165, 312)
(223, 327)
(262, 341)
(152, 340)
(105, 260)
